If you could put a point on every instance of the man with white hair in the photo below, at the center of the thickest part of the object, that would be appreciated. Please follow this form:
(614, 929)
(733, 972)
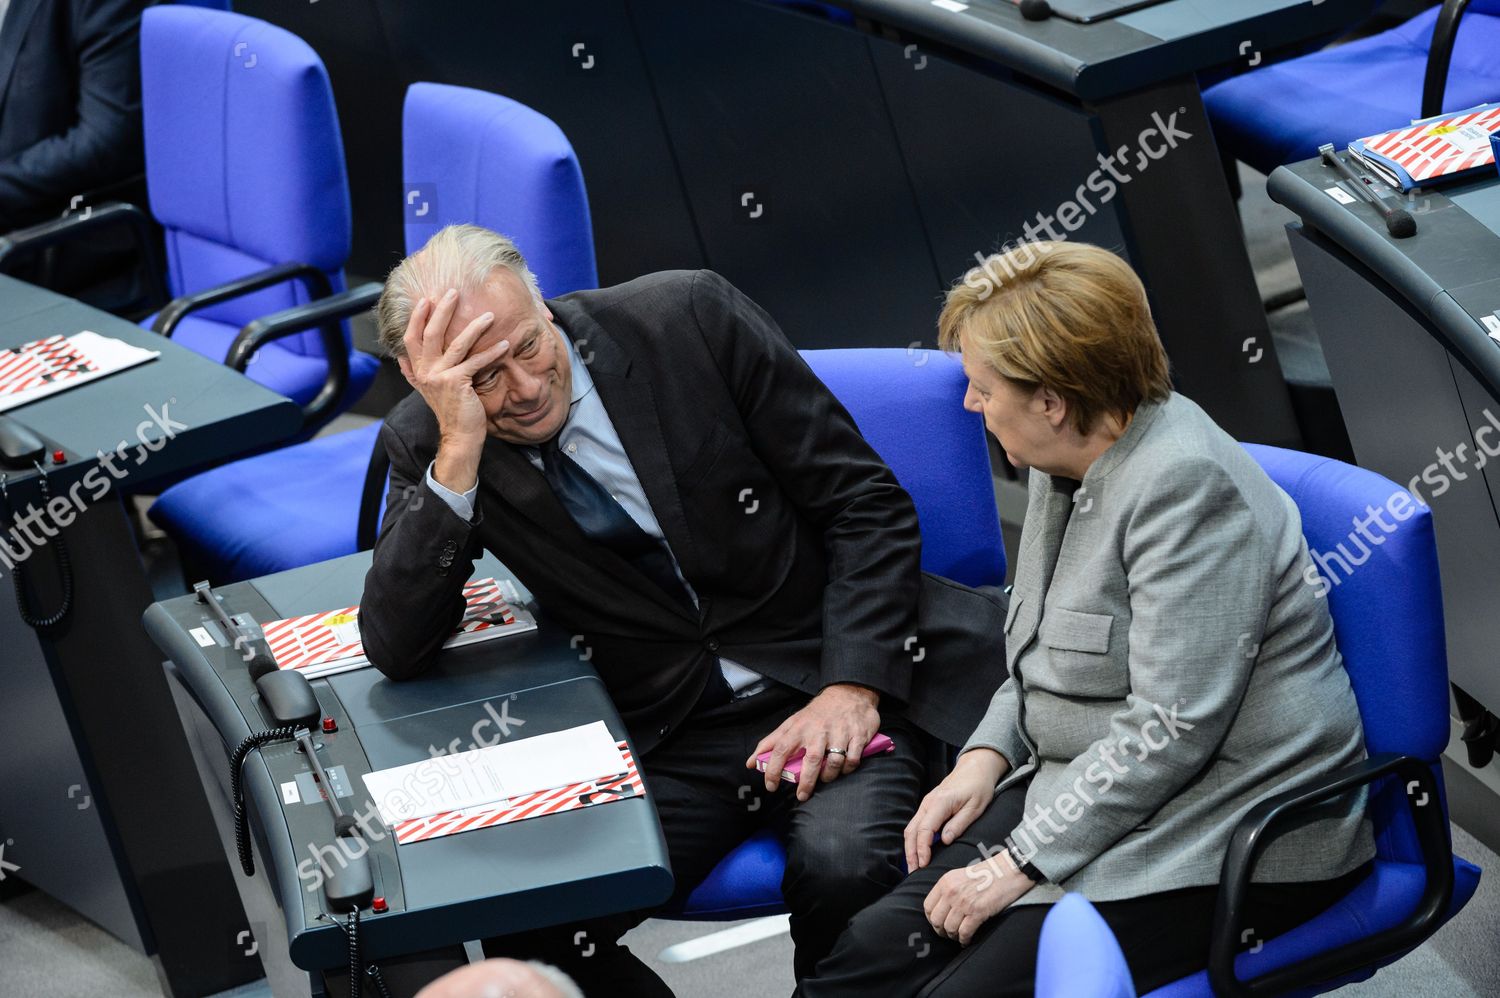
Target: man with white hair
(657, 463)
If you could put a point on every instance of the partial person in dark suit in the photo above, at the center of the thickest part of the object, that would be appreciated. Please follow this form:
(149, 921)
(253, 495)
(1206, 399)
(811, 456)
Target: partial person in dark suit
(70, 103)
(663, 470)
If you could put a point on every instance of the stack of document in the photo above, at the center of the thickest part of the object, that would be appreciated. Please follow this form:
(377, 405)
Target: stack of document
(44, 367)
(515, 780)
(1446, 147)
(323, 644)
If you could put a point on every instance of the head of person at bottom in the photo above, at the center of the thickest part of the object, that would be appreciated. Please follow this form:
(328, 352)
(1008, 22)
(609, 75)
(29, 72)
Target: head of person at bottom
(1060, 350)
(503, 978)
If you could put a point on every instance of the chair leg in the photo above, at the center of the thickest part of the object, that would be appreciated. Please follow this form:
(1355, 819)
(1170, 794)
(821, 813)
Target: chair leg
(1481, 729)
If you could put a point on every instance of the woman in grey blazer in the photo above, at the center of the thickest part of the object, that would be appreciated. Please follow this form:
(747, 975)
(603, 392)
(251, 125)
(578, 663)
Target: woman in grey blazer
(1170, 664)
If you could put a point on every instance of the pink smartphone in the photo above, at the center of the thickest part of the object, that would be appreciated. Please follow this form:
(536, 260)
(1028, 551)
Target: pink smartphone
(879, 745)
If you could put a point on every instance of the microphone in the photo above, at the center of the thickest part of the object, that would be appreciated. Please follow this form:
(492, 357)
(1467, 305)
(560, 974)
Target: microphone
(1398, 221)
(251, 648)
(1036, 10)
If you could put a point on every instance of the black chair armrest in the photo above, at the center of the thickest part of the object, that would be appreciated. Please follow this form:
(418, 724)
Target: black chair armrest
(179, 308)
(1440, 56)
(370, 498)
(1424, 800)
(325, 315)
(69, 228)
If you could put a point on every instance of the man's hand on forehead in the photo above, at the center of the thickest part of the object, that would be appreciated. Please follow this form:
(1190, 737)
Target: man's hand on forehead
(442, 366)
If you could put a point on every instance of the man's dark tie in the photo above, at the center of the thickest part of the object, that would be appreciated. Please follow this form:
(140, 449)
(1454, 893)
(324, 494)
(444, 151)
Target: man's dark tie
(600, 516)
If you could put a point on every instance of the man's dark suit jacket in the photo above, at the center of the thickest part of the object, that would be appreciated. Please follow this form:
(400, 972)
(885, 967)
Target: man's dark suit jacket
(800, 544)
(70, 103)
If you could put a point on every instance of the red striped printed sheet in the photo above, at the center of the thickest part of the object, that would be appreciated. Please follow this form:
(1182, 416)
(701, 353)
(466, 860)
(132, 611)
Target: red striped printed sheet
(624, 785)
(53, 358)
(1436, 149)
(319, 638)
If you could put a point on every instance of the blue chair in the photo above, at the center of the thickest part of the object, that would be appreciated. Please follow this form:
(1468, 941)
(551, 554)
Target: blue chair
(1283, 112)
(245, 173)
(1388, 622)
(1078, 957)
(909, 406)
(470, 156)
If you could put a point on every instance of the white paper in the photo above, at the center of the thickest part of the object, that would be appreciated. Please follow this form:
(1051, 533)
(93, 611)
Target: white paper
(1469, 139)
(1341, 196)
(107, 353)
(489, 775)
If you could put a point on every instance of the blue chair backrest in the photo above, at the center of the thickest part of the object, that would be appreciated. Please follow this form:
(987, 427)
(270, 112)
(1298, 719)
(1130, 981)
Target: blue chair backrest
(1078, 956)
(244, 164)
(1387, 607)
(1473, 46)
(909, 406)
(477, 157)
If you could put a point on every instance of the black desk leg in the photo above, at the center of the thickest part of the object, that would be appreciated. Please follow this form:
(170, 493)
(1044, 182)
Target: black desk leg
(108, 680)
(1185, 241)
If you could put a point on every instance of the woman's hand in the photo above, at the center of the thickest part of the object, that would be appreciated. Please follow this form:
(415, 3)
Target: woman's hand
(954, 804)
(966, 898)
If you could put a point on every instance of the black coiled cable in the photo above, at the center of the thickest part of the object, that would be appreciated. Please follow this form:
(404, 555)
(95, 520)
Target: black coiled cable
(356, 966)
(374, 975)
(351, 929)
(60, 555)
(237, 790)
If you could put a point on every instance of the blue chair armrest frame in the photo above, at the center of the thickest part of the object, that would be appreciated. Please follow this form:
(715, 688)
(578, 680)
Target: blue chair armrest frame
(1424, 801)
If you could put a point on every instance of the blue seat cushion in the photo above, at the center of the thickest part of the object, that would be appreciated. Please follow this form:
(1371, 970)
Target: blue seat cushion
(1381, 901)
(298, 376)
(745, 884)
(292, 507)
(1282, 113)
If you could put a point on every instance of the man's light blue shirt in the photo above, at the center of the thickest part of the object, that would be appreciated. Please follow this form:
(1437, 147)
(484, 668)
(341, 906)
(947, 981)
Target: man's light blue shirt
(589, 438)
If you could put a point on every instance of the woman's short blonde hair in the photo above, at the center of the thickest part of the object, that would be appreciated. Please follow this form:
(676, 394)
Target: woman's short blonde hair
(1066, 316)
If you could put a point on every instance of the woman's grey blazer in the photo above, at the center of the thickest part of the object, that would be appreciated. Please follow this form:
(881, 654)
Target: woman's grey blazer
(1169, 666)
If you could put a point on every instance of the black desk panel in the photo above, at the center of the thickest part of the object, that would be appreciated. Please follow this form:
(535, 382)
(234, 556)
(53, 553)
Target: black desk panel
(98, 799)
(224, 412)
(1409, 328)
(1114, 56)
(985, 154)
(491, 881)
(792, 170)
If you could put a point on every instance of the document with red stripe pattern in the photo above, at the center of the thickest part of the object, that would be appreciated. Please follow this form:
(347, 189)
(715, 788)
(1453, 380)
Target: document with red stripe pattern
(52, 364)
(322, 644)
(1441, 148)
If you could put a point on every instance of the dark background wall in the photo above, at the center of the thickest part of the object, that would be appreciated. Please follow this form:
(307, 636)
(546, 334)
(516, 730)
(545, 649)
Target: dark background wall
(877, 173)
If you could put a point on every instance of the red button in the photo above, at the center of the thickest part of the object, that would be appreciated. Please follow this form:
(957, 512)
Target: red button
(58, 457)
(377, 905)
(330, 725)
